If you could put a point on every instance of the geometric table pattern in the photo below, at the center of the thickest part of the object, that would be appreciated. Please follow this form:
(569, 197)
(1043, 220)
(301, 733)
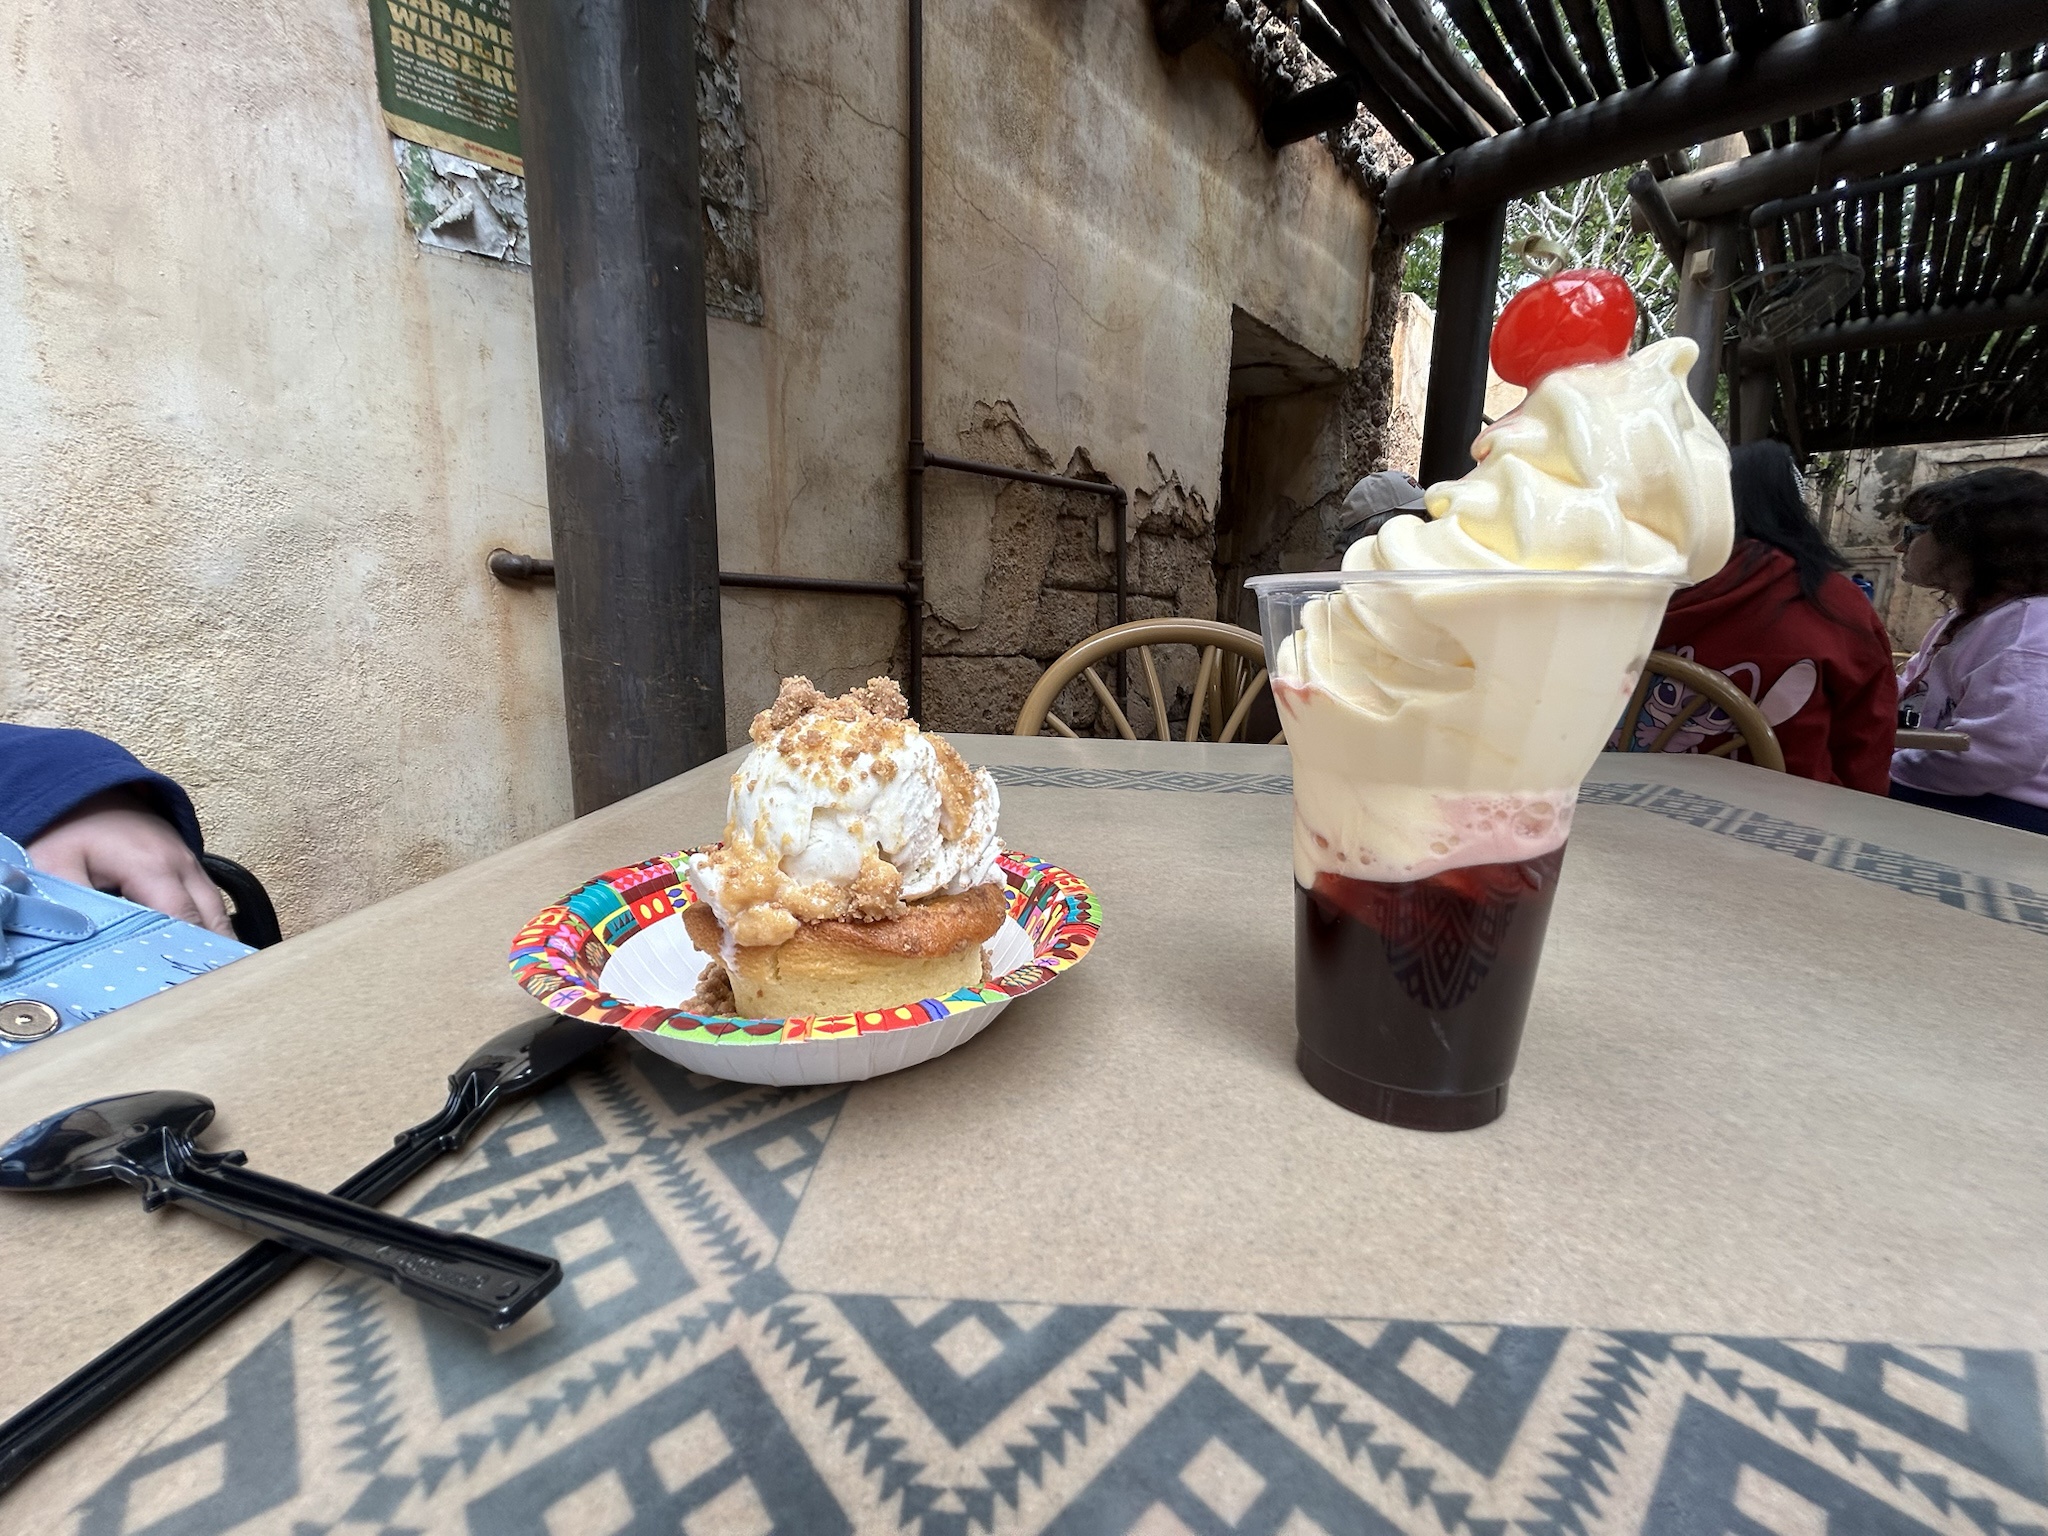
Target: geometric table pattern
(675, 1382)
(1908, 872)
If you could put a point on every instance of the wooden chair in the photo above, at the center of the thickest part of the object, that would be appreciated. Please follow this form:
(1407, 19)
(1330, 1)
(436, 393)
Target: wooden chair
(1697, 687)
(1226, 684)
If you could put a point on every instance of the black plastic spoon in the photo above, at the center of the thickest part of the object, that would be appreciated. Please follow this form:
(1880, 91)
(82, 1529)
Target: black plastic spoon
(518, 1063)
(146, 1140)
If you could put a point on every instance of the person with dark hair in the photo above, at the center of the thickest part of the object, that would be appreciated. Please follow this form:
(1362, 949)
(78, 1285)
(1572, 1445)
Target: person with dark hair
(1983, 669)
(1789, 629)
(87, 811)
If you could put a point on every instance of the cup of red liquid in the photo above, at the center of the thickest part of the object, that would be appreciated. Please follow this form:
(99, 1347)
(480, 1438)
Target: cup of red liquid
(1440, 724)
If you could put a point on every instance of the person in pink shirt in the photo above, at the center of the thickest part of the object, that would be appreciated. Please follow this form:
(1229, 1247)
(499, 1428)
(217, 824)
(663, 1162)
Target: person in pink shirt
(1983, 668)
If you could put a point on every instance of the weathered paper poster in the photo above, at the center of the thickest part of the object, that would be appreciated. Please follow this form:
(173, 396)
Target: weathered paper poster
(445, 76)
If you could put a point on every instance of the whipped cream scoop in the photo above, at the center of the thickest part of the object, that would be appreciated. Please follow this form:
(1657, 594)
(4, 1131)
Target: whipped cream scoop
(1443, 706)
(1605, 467)
(844, 808)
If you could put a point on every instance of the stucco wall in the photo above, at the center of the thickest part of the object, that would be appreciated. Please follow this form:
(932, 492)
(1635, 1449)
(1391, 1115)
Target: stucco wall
(254, 446)
(255, 443)
(1094, 211)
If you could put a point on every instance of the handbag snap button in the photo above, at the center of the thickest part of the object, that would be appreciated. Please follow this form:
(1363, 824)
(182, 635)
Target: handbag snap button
(27, 1018)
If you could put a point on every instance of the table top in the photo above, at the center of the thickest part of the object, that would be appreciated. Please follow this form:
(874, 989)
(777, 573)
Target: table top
(1760, 1234)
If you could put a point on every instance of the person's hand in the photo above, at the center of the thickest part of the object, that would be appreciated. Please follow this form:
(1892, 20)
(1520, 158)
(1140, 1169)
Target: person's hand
(113, 842)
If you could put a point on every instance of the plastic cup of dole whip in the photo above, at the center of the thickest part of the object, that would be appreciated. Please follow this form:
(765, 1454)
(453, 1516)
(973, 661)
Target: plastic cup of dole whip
(1444, 694)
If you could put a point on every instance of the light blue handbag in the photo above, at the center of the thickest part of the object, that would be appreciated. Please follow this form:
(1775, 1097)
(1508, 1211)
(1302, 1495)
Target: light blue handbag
(69, 954)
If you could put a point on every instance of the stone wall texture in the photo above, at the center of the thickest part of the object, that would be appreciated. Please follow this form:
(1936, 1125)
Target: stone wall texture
(255, 442)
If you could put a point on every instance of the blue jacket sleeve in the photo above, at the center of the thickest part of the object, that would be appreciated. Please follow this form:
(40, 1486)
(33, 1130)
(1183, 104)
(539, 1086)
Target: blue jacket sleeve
(45, 774)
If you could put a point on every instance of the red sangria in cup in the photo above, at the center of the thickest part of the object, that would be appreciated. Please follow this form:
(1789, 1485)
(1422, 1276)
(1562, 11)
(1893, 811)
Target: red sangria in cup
(1443, 696)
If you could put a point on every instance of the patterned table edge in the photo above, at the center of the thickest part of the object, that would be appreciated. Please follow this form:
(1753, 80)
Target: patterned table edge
(2000, 900)
(684, 1384)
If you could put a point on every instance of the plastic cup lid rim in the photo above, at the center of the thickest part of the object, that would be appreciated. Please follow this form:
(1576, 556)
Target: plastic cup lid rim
(1325, 581)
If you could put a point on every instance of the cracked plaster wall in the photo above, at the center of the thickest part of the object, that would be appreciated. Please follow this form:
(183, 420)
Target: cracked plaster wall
(1096, 211)
(255, 442)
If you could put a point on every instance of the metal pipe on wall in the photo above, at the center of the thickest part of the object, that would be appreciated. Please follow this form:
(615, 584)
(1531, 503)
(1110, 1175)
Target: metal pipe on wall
(570, 516)
(1119, 501)
(917, 460)
(913, 305)
(618, 286)
(539, 571)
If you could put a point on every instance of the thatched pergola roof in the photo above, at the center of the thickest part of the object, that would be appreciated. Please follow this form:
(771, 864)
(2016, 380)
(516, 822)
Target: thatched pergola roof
(1877, 260)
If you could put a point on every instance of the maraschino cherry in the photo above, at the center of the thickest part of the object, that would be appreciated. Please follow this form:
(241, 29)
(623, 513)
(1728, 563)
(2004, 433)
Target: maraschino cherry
(1586, 315)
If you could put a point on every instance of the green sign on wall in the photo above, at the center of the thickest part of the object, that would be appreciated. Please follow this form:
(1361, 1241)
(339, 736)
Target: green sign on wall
(445, 76)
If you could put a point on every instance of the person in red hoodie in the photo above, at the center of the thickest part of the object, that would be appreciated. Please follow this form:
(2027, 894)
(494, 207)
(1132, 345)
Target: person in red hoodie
(1791, 631)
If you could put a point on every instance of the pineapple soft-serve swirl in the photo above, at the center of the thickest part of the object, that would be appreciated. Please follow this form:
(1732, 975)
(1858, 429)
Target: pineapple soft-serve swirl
(1436, 722)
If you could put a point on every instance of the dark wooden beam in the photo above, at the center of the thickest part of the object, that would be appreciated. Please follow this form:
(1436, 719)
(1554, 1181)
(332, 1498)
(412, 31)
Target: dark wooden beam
(1429, 34)
(1388, 114)
(1477, 26)
(1811, 67)
(1941, 324)
(1177, 25)
(1940, 128)
(1754, 397)
(1520, 33)
(1328, 104)
(1592, 43)
(1386, 79)
(1779, 208)
(1558, 49)
(1628, 43)
(1397, 62)
(1319, 35)
(1658, 41)
(1466, 278)
(610, 145)
(1924, 429)
(1647, 193)
(1703, 29)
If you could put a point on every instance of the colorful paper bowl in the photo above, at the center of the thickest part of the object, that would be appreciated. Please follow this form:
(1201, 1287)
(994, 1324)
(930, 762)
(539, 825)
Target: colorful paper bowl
(616, 952)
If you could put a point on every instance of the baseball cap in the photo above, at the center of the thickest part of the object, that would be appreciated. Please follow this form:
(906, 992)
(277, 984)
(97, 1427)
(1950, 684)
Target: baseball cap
(1378, 497)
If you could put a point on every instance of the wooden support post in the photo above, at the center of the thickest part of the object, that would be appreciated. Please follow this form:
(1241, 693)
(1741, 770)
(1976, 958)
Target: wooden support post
(1753, 397)
(1466, 279)
(1653, 213)
(1702, 313)
(608, 125)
